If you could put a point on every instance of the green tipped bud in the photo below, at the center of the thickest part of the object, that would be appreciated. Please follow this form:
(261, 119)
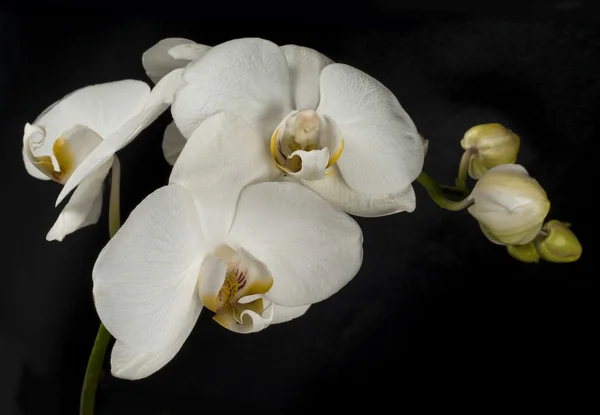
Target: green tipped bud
(509, 205)
(492, 145)
(560, 244)
(524, 253)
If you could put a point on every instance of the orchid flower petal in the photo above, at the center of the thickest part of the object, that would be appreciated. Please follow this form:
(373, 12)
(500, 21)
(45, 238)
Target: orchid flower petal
(173, 143)
(383, 151)
(248, 77)
(305, 68)
(224, 155)
(158, 101)
(311, 248)
(283, 314)
(127, 363)
(103, 108)
(145, 277)
(334, 189)
(158, 61)
(83, 208)
(35, 134)
(188, 52)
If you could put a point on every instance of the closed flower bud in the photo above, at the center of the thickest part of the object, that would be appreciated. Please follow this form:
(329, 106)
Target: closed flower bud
(491, 145)
(524, 253)
(560, 244)
(509, 205)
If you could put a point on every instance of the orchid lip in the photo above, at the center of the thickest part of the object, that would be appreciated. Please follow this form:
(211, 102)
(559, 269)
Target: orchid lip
(301, 133)
(244, 278)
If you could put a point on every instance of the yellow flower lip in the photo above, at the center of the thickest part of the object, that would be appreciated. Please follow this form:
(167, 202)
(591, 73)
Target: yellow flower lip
(335, 156)
(292, 165)
(244, 277)
(64, 157)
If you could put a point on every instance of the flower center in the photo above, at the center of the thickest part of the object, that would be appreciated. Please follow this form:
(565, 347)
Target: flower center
(301, 133)
(60, 165)
(244, 281)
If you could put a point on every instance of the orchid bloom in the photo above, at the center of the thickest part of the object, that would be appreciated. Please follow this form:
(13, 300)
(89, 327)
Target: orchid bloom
(327, 125)
(219, 236)
(73, 141)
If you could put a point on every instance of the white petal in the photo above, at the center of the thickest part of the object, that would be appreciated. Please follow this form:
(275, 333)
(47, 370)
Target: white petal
(33, 134)
(212, 276)
(173, 143)
(311, 248)
(31, 169)
(223, 156)
(248, 77)
(158, 101)
(283, 314)
(127, 363)
(335, 190)
(383, 152)
(145, 278)
(305, 68)
(314, 164)
(103, 108)
(188, 52)
(83, 208)
(164, 91)
(157, 60)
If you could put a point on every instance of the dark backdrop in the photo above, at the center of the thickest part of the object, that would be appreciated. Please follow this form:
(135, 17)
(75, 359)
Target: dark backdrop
(437, 314)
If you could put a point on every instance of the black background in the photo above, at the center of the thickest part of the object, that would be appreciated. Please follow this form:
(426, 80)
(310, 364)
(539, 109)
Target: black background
(437, 314)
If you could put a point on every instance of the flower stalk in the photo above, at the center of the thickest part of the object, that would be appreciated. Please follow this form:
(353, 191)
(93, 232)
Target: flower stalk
(96, 360)
(436, 193)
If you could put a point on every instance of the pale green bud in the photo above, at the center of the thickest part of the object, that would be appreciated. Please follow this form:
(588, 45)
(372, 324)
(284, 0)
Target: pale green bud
(560, 244)
(509, 205)
(524, 253)
(491, 145)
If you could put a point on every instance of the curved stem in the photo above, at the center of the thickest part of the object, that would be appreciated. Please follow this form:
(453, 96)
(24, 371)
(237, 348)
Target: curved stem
(436, 193)
(96, 360)
(114, 209)
(93, 371)
(463, 168)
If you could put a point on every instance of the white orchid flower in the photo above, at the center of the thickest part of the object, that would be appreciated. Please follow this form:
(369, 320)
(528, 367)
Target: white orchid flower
(220, 237)
(330, 126)
(74, 140)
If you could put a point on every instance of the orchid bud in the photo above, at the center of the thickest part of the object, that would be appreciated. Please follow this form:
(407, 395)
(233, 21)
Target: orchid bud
(509, 205)
(559, 243)
(524, 253)
(491, 145)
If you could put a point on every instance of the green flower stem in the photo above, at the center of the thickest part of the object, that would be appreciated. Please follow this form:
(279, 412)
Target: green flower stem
(463, 168)
(436, 193)
(93, 371)
(96, 360)
(114, 210)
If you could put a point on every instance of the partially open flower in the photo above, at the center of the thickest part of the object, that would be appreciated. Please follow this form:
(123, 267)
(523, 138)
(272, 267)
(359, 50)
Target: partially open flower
(509, 205)
(524, 253)
(559, 244)
(74, 140)
(491, 145)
